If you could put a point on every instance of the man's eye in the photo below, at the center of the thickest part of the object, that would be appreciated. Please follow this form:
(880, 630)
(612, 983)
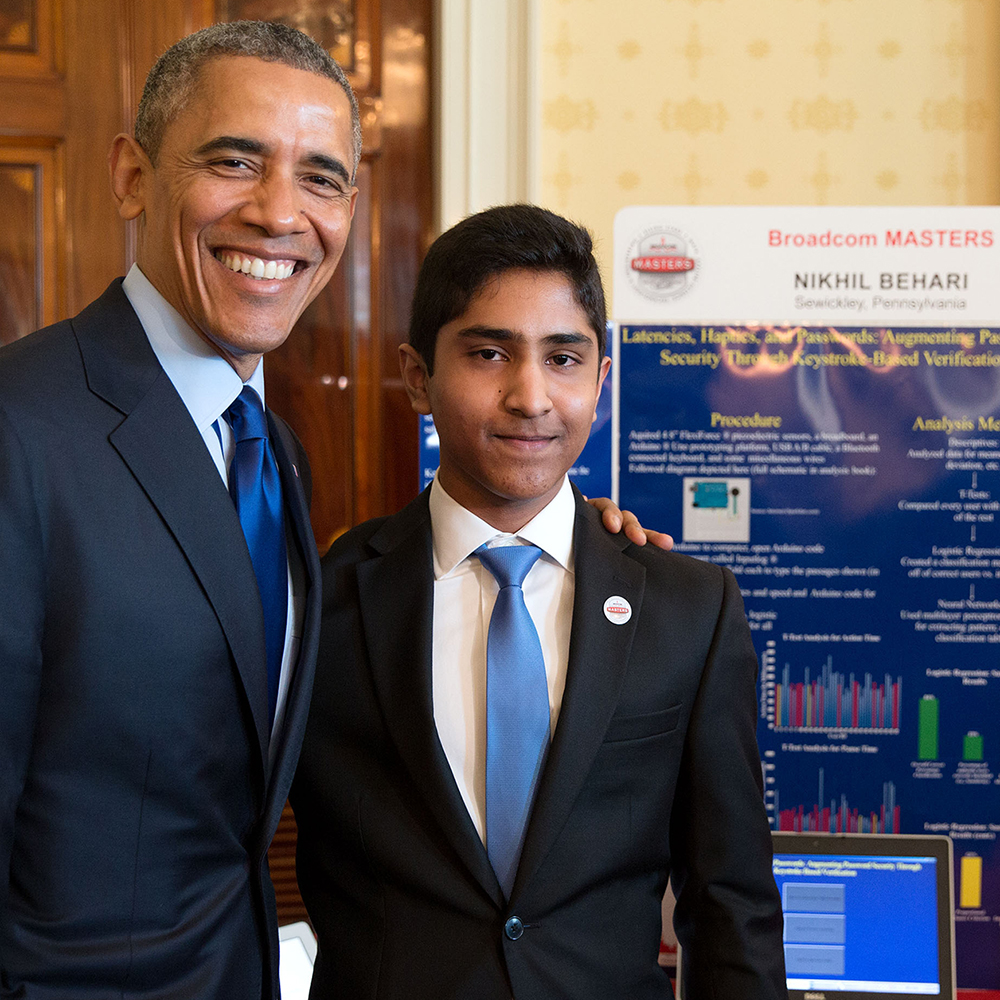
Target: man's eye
(488, 354)
(563, 360)
(327, 183)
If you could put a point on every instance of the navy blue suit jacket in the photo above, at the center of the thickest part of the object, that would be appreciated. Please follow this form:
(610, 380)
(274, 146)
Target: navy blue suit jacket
(135, 808)
(653, 773)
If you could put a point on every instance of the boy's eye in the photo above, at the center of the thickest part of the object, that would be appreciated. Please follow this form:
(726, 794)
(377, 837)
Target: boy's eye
(488, 353)
(562, 360)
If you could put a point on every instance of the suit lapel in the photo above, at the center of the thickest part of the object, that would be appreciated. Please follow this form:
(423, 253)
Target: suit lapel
(397, 608)
(160, 444)
(598, 658)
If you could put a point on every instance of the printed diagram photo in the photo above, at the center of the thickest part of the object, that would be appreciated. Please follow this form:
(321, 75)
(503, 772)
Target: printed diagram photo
(716, 510)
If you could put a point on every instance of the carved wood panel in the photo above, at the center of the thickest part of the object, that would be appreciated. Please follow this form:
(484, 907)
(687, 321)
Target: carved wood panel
(67, 86)
(20, 257)
(18, 26)
(31, 262)
(333, 23)
(29, 38)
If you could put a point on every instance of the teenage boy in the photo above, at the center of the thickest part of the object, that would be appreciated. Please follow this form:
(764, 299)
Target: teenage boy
(523, 725)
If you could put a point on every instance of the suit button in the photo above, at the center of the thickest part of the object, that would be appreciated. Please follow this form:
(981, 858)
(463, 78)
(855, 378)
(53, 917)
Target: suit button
(513, 928)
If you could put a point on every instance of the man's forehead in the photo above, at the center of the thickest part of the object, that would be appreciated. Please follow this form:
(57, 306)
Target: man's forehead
(246, 63)
(249, 74)
(241, 101)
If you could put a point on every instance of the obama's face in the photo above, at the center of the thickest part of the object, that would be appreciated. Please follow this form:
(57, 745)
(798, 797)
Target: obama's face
(249, 205)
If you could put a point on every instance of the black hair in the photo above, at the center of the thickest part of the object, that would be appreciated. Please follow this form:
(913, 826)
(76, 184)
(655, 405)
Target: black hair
(172, 80)
(486, 245)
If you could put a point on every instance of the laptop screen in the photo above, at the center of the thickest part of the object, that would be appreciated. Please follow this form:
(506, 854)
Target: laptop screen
(866, 916)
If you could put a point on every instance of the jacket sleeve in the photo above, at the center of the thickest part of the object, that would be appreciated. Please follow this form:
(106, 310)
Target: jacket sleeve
(728, 913)
(21, 624)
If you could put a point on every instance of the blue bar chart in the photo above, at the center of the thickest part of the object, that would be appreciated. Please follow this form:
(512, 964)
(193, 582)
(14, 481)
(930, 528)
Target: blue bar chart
(838, 815)
(834, 702)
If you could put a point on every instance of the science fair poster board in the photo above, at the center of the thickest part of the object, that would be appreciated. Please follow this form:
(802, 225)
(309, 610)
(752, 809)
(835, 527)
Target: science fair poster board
(811, 397)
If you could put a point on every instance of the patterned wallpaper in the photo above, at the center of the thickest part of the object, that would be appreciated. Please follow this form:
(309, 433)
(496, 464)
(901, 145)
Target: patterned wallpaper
(781, 102)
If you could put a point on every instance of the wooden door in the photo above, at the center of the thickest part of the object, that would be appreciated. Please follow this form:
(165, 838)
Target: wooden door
(71, 74)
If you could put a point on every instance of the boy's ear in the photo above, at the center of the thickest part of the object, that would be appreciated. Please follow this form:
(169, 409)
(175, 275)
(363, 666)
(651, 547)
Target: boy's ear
(602, 374)
(415, 378)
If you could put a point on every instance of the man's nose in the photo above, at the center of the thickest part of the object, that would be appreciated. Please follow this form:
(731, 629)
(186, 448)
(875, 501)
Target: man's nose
(275, 206)
(528, 389)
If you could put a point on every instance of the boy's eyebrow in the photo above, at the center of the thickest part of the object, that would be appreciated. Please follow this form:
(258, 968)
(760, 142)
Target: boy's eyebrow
(254, 147)
(568, 337)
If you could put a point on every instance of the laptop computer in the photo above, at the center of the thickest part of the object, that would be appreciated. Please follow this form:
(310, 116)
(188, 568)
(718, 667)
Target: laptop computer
(867, 916)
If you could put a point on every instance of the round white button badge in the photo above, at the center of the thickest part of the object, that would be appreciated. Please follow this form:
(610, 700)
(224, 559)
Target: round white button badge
(617, 610)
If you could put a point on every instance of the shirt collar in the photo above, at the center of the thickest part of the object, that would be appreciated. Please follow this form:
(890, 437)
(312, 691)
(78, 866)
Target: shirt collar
(457, 532)
(205, 381)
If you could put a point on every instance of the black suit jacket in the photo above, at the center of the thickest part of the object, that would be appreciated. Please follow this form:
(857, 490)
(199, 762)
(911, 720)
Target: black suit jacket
(135, 807)
(653, 771)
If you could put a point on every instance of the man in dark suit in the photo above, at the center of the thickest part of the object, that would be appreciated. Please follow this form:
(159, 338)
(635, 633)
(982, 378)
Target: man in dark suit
(157, 640)
(499, 774)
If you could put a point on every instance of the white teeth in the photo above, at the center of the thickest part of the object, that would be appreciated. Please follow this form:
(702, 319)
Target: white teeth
(256, 267)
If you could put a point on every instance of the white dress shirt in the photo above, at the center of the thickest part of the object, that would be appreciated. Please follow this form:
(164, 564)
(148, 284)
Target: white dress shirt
(464, 594)
(207, 385)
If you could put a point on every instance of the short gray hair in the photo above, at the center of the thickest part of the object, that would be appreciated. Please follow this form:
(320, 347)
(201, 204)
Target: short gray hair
(171, 81)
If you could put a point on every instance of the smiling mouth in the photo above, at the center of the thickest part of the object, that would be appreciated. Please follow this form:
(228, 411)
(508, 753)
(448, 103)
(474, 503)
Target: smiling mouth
(526, 440)
(255, 267)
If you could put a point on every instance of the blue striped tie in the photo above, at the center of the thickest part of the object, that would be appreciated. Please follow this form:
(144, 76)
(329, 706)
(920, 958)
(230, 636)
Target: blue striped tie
(517, 710)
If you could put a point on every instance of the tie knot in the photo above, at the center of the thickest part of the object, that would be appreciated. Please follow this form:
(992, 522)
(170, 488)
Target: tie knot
(246, 416)
(509, 564)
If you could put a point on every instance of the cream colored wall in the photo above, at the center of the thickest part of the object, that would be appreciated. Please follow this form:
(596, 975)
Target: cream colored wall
(782, 102)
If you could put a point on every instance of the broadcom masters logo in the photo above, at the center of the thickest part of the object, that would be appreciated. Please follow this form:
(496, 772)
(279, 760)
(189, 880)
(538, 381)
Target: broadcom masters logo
(662, 263)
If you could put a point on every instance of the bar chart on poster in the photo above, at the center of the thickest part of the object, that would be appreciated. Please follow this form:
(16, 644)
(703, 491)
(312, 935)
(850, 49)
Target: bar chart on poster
(811, 397)
(837, 813)
(828, 700)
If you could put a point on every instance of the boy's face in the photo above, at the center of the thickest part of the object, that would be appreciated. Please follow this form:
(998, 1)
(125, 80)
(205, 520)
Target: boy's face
(514, 392)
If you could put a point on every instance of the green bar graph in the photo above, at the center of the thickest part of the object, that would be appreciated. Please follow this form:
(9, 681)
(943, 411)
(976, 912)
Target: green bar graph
(927, 728)
(972, 746)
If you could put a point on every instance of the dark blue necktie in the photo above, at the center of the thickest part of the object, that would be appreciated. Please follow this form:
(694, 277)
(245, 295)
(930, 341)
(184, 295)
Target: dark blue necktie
(517, 710)
(255, 487)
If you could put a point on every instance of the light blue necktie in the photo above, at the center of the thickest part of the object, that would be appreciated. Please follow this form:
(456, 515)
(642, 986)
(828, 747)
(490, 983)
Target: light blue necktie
(255, 487)
(517, 710)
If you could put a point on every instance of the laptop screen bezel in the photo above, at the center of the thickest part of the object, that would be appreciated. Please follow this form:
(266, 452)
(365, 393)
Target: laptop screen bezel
(883, 845)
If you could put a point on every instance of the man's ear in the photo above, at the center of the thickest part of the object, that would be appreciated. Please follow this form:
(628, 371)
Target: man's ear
(601, 376)
(415, 378)
(130, 168)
